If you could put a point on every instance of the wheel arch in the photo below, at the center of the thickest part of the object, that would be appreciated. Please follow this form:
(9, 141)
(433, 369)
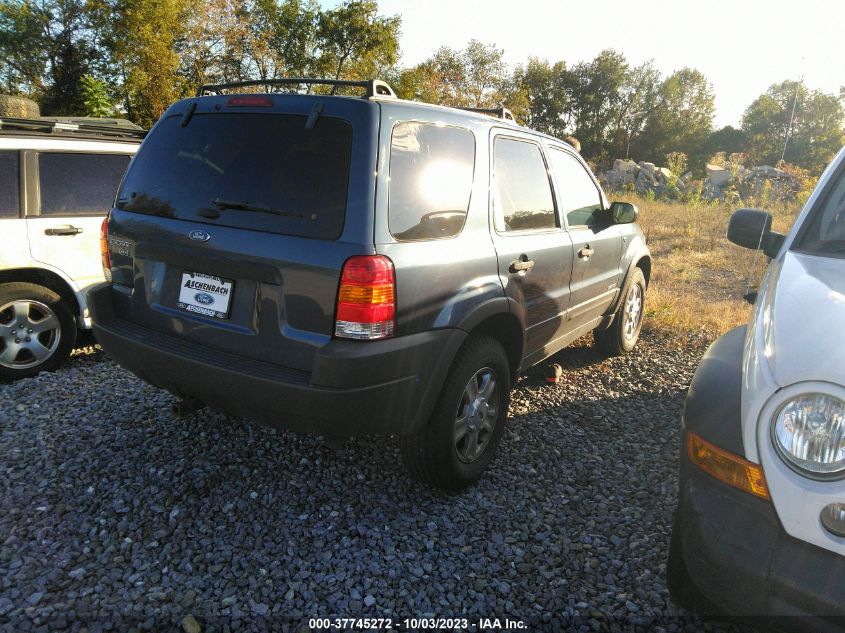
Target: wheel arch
(506, 328)
(46, 278)
(644, 264)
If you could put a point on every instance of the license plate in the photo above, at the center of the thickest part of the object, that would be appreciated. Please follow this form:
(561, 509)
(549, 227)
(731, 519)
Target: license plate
(205, 294)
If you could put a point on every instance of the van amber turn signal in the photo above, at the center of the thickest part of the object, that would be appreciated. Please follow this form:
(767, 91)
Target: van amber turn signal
(727, 467)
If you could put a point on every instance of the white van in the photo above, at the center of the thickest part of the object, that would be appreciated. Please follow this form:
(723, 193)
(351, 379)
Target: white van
(58, 179)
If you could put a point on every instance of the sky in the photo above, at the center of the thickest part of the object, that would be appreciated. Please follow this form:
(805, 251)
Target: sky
(741, 46)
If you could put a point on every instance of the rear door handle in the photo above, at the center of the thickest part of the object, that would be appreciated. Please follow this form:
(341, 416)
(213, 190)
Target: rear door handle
(521, 265)
(585, 252)
(63, 230)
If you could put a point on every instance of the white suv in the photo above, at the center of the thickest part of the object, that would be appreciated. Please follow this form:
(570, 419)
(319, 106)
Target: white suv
(58, 179)
(760, 526)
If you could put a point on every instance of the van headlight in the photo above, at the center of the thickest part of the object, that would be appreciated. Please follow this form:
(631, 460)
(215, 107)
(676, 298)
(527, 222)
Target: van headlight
(809, 433)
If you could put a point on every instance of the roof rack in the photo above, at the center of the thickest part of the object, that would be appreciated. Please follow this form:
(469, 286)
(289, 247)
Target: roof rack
(499, 113)
(116, 128)
(374, 87)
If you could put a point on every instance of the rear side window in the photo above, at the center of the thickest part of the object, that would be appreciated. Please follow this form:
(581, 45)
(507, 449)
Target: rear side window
(431, 170)
(581, 200)
(263, 172)
(522, 193)
(79, 184)
(9, 196)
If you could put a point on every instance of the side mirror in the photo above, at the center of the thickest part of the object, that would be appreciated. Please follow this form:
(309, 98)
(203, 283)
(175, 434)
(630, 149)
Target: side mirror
(623, 212)
(752, 228)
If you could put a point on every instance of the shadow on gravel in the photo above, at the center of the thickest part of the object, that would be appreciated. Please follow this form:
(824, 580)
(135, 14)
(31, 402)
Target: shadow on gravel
(115, 513)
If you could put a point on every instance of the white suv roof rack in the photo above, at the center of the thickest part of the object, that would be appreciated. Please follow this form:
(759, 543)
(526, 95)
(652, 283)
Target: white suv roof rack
(72, 126)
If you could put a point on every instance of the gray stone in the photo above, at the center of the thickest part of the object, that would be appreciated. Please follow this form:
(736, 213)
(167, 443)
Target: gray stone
(190, 625)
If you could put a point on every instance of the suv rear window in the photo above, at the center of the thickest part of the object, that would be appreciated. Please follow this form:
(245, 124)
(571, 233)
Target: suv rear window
(263, 172)
(430, 180)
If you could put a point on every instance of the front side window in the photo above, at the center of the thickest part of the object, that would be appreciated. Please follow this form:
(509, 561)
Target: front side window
(581, 200)
(79, 184)
(522, 193)
(431, 169)
(825, 232)
(9, 197)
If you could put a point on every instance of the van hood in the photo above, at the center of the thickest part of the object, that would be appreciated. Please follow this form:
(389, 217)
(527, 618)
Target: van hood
(803, 320)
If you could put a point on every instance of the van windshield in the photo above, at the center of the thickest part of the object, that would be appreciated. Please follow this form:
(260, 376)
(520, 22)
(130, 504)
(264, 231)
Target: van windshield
(825, 232)
(263, 172)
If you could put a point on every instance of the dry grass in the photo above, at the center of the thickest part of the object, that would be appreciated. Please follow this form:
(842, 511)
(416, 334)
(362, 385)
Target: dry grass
(699, 278)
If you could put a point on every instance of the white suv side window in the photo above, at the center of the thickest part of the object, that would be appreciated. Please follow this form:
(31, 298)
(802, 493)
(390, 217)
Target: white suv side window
(9, 181)
(79, 184)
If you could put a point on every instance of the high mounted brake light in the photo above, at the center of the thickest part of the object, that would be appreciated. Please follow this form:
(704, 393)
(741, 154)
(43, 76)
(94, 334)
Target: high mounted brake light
(366, 304)
(250, 101)
(105, 258)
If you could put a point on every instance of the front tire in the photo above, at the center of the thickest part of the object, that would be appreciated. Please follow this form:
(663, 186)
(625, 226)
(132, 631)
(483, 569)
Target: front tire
(460, 439)
(623, 334)
(37, 330)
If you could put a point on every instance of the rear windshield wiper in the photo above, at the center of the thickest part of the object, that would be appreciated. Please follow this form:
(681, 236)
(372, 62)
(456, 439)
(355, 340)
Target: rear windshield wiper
(258, 208)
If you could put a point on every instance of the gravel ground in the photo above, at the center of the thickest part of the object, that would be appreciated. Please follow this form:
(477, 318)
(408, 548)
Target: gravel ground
(114, 515)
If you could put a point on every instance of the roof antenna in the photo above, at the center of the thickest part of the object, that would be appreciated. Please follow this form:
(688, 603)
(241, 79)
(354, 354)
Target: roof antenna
(792, 116)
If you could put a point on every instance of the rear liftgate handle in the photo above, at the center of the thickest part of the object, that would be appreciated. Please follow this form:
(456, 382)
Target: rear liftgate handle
(521, 265)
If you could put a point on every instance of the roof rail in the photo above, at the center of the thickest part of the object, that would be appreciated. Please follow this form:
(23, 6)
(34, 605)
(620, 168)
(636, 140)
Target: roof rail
(374, 87)
(499, 113)
(116, 128)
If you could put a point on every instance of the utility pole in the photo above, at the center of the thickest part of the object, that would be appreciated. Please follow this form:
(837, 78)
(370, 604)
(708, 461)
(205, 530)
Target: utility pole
(792, 116)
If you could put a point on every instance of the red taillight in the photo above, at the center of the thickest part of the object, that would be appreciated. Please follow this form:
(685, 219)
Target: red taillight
(105, 258)
(366, 303)
(250, 101)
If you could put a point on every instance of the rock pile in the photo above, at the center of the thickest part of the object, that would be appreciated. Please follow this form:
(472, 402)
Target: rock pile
(644, 177)
(749, 183)
(720, 181)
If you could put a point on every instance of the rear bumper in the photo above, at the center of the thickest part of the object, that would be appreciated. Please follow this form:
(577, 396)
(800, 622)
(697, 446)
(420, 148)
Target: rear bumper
(405, 377)
(738, 556)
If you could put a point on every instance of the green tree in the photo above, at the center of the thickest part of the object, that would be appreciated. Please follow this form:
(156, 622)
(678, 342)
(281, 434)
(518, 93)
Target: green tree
(595, 90)
(147, 36)
(419, 83)
(45, 50)
(24, 53)
(473, 77)
(638, 98)
(354, 41)
(727, 139)
(811, 135)
(540, 84)
(681, 120)
(95, 97)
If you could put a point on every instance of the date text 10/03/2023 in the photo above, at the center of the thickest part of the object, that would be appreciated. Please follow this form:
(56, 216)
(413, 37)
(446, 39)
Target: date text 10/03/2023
(417, 624)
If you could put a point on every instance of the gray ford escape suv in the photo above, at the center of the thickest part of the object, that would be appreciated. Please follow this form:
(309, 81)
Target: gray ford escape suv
(343, 266)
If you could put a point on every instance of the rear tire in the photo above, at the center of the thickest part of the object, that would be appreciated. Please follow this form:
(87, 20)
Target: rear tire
(37, 330)
(623, 334)
(460, 439)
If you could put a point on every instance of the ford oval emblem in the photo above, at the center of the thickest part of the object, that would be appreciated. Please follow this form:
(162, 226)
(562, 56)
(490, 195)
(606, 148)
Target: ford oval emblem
(204, 298)
(199, 236)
